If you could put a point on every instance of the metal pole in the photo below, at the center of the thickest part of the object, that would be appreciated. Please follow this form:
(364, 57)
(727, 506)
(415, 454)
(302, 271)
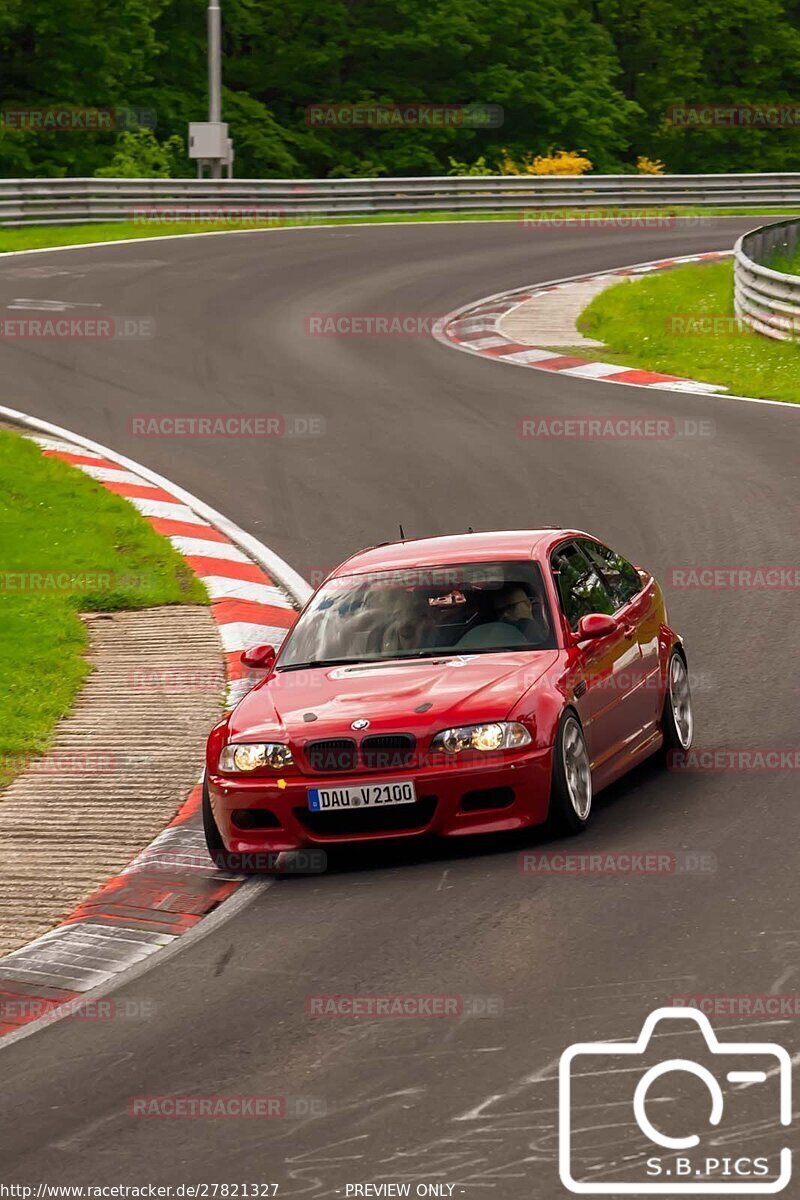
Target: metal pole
(215, 72)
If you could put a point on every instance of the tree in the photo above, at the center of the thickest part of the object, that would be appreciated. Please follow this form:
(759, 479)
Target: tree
(719, 53)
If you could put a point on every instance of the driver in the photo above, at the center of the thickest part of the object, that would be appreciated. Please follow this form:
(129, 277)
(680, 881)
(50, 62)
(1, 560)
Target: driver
(412, 627)
(514, 605)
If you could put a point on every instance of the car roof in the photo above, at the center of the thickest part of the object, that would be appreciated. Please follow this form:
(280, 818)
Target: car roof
(456, 548)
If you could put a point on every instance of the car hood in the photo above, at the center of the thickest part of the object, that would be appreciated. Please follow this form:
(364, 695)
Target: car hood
(419, 696)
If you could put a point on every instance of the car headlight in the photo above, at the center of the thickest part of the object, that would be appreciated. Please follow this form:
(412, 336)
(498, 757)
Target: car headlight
(499, 735)
(250, 756)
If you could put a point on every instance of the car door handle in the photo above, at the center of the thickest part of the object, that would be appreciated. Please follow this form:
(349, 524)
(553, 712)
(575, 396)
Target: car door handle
(629, 631)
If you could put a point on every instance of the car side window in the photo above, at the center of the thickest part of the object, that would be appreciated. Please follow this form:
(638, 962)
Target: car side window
(580, 585)
(621, 578)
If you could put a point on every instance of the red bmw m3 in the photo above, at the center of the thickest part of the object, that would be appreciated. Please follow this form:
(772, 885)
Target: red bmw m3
(449, 686)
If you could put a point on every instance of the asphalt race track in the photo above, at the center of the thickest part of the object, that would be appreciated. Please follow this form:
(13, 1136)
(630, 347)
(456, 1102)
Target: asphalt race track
(419, 434)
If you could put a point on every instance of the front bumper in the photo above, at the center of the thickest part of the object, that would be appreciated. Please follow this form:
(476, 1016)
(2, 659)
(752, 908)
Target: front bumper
(513, 793)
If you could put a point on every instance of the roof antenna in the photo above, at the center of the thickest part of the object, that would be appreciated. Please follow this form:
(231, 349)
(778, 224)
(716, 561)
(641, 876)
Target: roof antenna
(402, 535)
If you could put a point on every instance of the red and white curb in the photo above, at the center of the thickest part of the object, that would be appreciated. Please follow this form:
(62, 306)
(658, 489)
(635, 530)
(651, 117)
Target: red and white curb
(172, 884)
(474, 330)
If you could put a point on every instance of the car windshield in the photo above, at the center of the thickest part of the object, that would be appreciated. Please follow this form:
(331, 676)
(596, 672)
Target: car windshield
(418, 612)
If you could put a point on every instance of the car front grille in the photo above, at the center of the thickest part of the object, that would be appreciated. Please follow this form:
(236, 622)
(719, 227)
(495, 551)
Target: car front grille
(388, 752)
(379, 752)
(336, 754)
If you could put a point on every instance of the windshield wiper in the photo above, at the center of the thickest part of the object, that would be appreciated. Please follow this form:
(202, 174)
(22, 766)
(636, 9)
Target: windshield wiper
(318, 662)
(366, 662)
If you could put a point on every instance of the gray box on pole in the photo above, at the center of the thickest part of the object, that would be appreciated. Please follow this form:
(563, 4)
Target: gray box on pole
(209, 140)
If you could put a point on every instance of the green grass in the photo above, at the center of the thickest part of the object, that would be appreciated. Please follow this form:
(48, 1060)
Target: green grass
(54, 520)
(44, 236)
(787, 263)
(652, 323)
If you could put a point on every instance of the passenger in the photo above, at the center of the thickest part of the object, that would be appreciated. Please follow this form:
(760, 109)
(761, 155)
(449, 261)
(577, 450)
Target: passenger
(515, 606)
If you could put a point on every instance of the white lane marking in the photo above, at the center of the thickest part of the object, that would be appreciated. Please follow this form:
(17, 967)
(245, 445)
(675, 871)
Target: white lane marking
(781, 980)
(49, 305)
(545, 1074)
(225, 588)
(241, 635)
(201, 548)
(164, 508)
(113, 475)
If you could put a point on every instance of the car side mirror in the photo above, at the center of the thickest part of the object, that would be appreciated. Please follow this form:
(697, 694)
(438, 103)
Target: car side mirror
(258, 656)
(596, 625)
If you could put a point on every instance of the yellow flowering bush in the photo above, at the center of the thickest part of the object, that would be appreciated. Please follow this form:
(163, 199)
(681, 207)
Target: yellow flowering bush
(649, 166)
(557, 162)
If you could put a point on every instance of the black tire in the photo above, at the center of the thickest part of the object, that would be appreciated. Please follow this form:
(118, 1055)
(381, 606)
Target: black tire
(677, 720)
(216, 847)
(567, 816)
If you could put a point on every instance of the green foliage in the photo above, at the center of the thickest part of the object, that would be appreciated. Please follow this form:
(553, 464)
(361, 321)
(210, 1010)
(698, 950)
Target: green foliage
(715, 52)
(599, 75)
(479, 167)
(139, 155)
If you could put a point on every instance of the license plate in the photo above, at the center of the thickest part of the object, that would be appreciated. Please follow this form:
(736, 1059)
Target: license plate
(368, 795)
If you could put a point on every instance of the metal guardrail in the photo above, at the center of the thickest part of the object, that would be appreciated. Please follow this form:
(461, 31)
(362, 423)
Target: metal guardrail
(765, 299)
(73, 201)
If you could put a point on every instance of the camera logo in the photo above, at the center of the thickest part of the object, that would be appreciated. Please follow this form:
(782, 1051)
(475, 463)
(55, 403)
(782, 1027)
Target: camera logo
(670, 1124)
